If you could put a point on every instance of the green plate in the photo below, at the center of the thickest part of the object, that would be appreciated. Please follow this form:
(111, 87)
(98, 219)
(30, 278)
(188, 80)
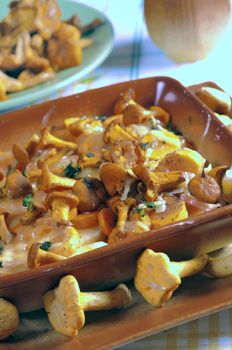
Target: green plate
(93, 56)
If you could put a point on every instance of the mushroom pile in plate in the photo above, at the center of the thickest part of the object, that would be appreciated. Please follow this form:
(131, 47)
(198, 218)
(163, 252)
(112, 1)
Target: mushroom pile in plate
(35, 43)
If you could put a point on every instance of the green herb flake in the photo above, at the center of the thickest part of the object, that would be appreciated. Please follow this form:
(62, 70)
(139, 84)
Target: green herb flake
(150, 205)
(1, 247)
(102, 118)
(89, 155)
(24, 173)
(1, 264)
(71, 171)
(46, 245)
(28, 202)
(87, 183)
(140, 211)
(144, 145)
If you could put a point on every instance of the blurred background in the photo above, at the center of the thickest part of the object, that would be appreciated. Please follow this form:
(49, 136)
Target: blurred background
(135, 55)
(189, 40)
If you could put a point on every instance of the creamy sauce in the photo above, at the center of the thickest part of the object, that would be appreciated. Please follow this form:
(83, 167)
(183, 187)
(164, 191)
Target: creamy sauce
(14, 256)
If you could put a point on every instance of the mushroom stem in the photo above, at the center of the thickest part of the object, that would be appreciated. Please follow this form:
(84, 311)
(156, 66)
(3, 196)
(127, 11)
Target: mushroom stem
(61, 203)
(157, 277)
(122, 216)
(51, 181)
(190, 267)
(116, 298)
(157, 182)
(122, 210)
(219, 267)
(18, 185)
(66, 304)
(48, 139)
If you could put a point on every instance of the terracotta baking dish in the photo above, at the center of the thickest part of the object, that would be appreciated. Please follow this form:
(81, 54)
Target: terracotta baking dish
(109, 265)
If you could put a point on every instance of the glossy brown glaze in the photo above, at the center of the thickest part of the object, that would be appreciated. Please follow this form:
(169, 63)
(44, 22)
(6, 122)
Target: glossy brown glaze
(109, 265)
(106, 330)
(196, 87)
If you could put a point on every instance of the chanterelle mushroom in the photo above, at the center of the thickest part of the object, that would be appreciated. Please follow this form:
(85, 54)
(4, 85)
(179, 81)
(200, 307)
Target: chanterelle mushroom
(10, 84)
(157, 277)
(5, 234)
(219, 266)
(47, 139)
(18, 185)
(61, 203)
(91, 193)
(123, 153)
(2, 179)
(29, 79)
(227, 185)
(136, 114)
(157, 182)
(215, 99)
(38, 257)
(20, 154)
(205, 188)
(124, 100)
(66, 304)
(70, 244)
(115, 132)
(9, 319)
(51, 181)
(113, 177)
(63, 48)
(34, 15)
(122, 210)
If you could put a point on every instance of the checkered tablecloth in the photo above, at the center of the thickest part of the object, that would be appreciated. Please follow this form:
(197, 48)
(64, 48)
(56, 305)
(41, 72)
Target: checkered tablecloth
(207, 333)
(135, 56)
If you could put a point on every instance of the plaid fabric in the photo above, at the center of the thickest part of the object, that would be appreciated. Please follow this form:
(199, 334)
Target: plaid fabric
(134, 56)
(207, 333)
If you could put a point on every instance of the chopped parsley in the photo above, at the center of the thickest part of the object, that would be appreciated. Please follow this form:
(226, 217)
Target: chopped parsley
(144, 145)
(102, 118)
(46, 245)
(87, 183)
(71, 171)
(89, 155)
(1, 247)
(28, 202)
(1, 264)
(150, 205)
(140, 211)
(24, 172)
